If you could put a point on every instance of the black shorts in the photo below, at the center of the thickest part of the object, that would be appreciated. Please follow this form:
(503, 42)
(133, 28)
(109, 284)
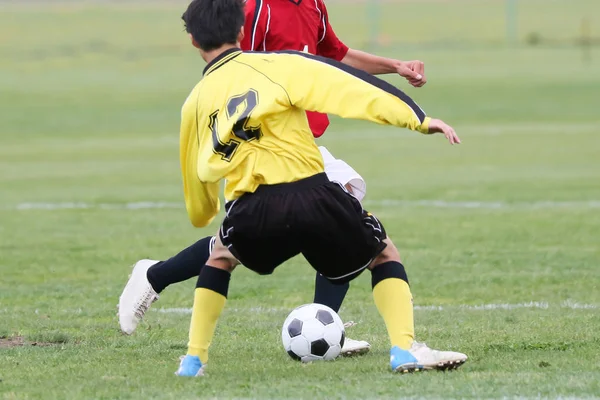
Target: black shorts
(313, 217)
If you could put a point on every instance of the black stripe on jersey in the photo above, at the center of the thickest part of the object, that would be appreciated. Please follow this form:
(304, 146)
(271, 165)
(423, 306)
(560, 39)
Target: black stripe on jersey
(370, 79)
(220, 60)
(257, 9)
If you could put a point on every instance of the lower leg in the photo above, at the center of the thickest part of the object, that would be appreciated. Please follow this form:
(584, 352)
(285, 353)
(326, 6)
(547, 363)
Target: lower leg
(185, 265)
(394, 302)
(209, 300)
(330, 294)
(393, 297)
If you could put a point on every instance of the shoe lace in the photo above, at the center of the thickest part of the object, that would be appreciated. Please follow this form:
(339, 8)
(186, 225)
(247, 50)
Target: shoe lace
(142, 305)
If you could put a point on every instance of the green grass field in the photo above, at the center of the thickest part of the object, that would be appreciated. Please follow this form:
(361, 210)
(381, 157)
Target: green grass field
(500, 235)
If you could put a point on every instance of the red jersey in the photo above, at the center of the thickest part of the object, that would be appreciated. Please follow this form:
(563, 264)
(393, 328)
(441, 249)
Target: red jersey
(301, 25)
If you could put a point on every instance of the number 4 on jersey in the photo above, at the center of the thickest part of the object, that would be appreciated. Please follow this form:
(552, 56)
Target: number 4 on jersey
(241, 129)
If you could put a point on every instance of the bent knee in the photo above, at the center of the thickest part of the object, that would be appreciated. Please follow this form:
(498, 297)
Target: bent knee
(222, 259)
(390, 253)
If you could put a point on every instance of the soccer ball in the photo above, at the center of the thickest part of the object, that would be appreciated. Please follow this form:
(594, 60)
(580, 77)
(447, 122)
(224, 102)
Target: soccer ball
(313, 332)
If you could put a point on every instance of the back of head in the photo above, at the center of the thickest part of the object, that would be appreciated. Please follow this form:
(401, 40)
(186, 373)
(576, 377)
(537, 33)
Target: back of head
(214, 23)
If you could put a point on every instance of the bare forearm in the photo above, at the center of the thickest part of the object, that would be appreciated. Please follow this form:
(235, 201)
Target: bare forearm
(413, 71)
(370, 63)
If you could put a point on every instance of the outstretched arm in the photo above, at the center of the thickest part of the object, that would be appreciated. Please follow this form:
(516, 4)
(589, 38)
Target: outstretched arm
(331, 46)
(316, 83)
(412, 71)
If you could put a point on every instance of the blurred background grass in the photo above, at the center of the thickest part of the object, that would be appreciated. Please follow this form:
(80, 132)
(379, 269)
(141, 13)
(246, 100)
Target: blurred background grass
(135, 56)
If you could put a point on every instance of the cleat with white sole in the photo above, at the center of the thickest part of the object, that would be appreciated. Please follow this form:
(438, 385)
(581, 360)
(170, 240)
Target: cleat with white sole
(420, 357)
(353, 347)
(137, 297)
(436, 359)
(190, 366)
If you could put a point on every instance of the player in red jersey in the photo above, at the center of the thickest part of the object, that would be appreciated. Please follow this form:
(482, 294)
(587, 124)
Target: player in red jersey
(273, 25)
(303, 25)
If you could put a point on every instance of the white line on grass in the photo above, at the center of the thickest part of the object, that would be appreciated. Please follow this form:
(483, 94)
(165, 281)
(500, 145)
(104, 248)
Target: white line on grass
(491, 205)
(98, 206)
(474, 205)
(481, 307)
(539, 305)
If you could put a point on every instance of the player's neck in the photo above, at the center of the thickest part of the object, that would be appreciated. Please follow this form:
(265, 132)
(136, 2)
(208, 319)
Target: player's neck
(208, 56)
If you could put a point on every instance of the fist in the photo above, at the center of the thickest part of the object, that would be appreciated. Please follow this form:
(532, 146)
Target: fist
(413, 72)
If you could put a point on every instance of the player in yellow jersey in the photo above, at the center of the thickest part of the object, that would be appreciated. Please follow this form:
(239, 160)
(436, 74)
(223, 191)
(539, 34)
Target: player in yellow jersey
(273, 25)
(245, 122)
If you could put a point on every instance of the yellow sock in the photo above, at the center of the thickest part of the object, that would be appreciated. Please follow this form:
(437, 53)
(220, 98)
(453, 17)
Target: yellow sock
(394, 302)
(208, 305)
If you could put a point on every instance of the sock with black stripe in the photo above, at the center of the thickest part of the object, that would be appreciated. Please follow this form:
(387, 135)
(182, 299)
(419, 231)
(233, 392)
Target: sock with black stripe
(394, 302)
(209, 300)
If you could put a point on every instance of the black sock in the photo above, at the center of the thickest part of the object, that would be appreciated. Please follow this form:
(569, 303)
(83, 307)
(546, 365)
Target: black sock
(185, 265)
(390, 269)
(330, 294)
(214, 279)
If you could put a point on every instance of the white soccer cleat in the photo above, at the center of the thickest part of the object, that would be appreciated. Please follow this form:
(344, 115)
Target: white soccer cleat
(435, 359)
(137, 297)
(354, 347)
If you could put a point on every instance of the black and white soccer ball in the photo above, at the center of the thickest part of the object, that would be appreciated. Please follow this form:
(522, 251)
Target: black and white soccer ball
(313, 332)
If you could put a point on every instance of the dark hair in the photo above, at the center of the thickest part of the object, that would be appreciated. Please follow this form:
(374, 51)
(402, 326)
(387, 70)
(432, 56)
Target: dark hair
(214, 23)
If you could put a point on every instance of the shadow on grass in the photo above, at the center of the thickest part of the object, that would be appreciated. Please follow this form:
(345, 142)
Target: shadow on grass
(40, 340)
(49, 338)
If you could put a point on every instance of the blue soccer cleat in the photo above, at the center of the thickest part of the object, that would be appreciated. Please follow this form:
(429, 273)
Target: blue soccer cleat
(420, 357)
(190, 366)
(403, 361)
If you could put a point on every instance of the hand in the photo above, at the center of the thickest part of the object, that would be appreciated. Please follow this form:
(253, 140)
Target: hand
(413, 72)
(439, 126)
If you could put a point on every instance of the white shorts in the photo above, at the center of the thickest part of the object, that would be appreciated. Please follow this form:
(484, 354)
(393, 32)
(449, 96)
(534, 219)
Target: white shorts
(339, 171)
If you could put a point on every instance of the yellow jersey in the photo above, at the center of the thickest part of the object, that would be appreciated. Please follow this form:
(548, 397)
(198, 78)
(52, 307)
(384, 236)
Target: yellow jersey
(245, 121)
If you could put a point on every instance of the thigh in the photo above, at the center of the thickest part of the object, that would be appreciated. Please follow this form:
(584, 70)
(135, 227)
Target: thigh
(256, 232)
(340, 239)
(339, 171)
